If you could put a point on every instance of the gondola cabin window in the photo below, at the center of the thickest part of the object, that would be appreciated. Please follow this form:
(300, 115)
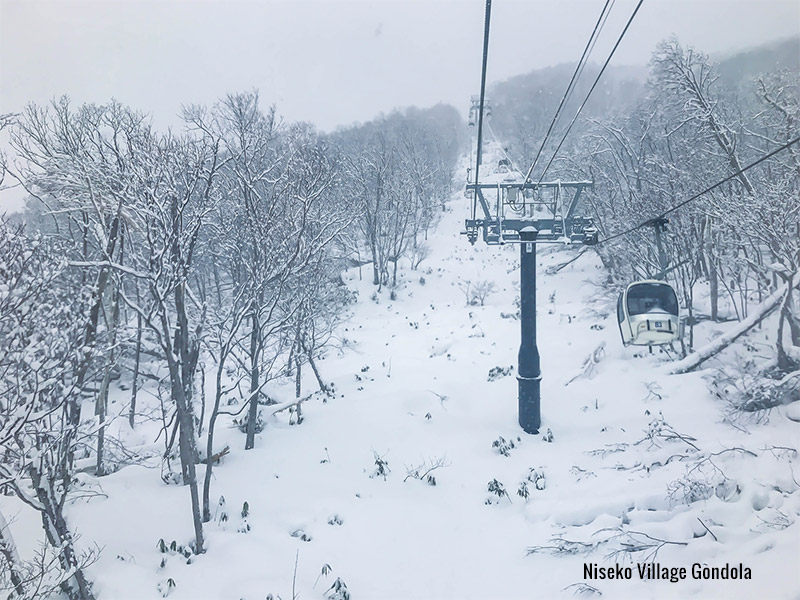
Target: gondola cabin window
(652, 298)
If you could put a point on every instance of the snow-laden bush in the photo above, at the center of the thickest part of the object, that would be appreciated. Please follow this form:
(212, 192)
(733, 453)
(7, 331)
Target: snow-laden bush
(750, 392)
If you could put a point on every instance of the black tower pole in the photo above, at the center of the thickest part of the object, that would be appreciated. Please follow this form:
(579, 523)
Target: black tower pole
(529, 374)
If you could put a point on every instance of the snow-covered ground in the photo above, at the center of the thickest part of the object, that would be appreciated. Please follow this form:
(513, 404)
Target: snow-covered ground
(637, 458)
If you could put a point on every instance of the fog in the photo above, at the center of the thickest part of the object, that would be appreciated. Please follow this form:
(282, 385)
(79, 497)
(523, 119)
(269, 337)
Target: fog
(337, 62)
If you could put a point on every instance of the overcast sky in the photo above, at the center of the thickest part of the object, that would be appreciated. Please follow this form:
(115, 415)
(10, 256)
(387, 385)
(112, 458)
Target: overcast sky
(333, 62)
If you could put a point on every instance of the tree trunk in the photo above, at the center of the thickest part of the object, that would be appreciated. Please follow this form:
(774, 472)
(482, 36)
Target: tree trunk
(252, 413)
(376, 270)
(298, 378)
(202, 400)
(217, 283)
(188, 450)
(322, 386)
(8, 550)
(136, 362)
(298, 344)
(182, 364)
(76, 587)
(188, 353)
(713, 281)
(101, 404)
(791, 318)
(212, 423)
(785, 362)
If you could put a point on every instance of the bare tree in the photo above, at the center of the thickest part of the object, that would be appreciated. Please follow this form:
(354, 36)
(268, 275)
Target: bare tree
(281, 187)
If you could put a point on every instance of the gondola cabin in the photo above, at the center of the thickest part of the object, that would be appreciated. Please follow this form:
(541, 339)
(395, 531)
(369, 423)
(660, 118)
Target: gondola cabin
(648, 314)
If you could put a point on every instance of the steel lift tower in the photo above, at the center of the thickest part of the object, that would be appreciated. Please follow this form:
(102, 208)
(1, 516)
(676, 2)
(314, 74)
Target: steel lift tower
(520, 211)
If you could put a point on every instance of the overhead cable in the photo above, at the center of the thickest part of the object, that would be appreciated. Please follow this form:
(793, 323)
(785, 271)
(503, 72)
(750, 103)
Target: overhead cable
(483, 95)
(705, 191)
(572, 82)
(599, 75)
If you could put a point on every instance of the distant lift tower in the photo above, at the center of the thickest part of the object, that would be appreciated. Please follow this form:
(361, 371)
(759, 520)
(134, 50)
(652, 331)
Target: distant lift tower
(475, 108)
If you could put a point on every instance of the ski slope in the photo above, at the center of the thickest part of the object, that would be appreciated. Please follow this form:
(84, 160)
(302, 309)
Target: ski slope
(634, 453)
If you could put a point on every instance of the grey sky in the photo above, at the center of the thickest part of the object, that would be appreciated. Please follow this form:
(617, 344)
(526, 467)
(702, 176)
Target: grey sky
(333, 62)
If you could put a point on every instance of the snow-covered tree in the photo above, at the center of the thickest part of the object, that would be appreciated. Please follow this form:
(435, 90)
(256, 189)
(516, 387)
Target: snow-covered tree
(42, 311)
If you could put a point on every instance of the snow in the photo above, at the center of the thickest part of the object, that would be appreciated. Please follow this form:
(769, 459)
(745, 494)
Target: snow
(633, 448)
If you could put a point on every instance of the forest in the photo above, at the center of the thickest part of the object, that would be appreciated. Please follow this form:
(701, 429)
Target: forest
(169, 259)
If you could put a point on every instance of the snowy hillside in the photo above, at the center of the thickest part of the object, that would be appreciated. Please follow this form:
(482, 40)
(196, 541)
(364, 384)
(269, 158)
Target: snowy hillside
(415, 481)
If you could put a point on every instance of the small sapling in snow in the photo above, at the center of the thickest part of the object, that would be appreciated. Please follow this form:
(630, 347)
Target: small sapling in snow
(548, 437)
(242, 422)
(653, 390)
(221, 515)
(419, 252)
(476, 293)
(497, 489)
(579, 473)
(496, 373)
(324, 572)
(583, 589)
(536, 477)
(423, 471)
(442, 398)
(245, 525)
(523, 492)
(174, 549)
(338, 591)
(301, 535)
(658, 430)
(589, 366)
(504, 446)
(327, 458)
(169, 476)
(335, 520)
(296, 415)
(165, 587)
(381, 466)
